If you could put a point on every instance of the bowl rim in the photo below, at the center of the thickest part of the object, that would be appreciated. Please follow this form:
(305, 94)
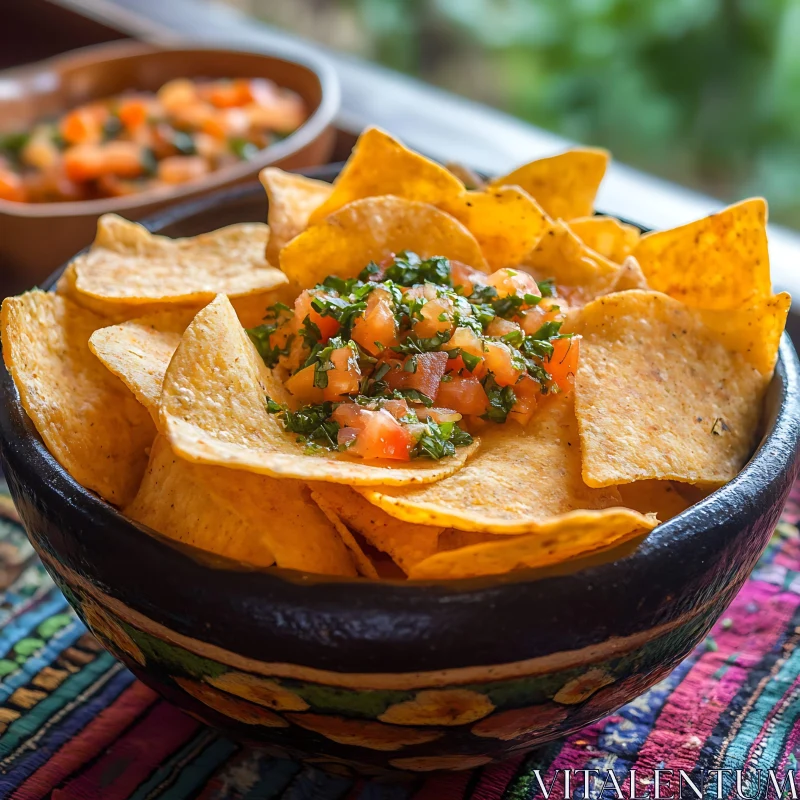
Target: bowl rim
(314, 126)
(774, 458)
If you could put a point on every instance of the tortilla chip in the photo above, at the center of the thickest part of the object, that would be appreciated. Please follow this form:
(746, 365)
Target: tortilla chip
(580, 273)
(213, 410)
(565, 185)
(406, 543)
(519, 480)
(562, 538)
(128, 264)
(249, 308)
(249, 518)
(754, 331)
(507, 223)
(718, 262)
(658, 396)
(364, 566)
(662, 498)
(371, 229)
(380, 165)
(629, 277)
(87, 418)
(138, 352)
(606, 235)
(292, 198)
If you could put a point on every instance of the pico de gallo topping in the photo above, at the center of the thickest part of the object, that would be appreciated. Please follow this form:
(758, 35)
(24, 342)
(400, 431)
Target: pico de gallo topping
(144, 140)
(402, 361)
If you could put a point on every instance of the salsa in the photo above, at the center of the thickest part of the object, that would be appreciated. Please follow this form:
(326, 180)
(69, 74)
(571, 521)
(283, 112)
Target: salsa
(137, 141)
(404, 360)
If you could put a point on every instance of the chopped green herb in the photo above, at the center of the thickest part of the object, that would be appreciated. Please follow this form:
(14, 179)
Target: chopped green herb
(440, 440)
(371, 269)
(408, 269)
(547, 287)
(501, 400)
(242, 148)
(414, 395)
(470, 361)
(418, 344)
(311, 422)
(410, 365)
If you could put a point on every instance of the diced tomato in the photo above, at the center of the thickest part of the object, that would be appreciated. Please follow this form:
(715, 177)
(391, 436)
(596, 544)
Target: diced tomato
(431, 324)
(396, 377)
(499, 363)
(227, 94)
(512, 281)
(563, 364)
(466, 277)
(527, 391)
(86, 162)
(466, 340)
(284, 115)
(180, 169)
(463, 394)
(81, 126)
(177, 93)
(328, 326)
(397, 408)
(380, 435)
(301, 386)
(133, 112)
(343, 379)
(438, 414)
(500, 327)
(533, 319)
(11, 186)
(377, 325)
(428, 376)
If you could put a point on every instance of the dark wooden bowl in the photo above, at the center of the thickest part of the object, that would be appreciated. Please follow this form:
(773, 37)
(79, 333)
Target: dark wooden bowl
(36, 237)
(377, 676)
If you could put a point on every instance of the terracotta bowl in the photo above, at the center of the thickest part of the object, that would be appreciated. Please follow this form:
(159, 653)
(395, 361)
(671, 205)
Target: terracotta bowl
(36, 238)
(383, 676)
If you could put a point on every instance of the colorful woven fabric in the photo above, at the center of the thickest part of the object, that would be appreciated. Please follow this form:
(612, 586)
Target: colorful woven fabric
(74, 723)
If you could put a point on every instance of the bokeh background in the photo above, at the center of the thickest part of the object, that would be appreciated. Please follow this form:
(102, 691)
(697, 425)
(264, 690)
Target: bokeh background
(702, 92)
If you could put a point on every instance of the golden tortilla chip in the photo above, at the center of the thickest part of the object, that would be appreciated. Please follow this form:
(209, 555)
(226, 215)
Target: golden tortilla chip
(364, 566)
(88, 420)
(518, 481)
(128, 264)
(562, 538)
(249, 308)
(565, 185)
(580, 273)
(138, 352)
(213, 410)
(754, 331)
(607, 235)
(292, 198)
(380, 165)
(249, 518)
(662, 498)
(718, 262)
(629, 277)
(658, 396)
(507, 223)
(372, 229)
(406, 543)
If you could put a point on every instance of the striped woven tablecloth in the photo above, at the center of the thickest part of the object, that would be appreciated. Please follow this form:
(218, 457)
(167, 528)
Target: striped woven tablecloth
(74, 723)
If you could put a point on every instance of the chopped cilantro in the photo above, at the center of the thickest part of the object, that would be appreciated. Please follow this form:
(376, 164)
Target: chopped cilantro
(340, 285)
(440, 440)
(409, 269)
(483, 294)
(260, 335)
(242, 148)
(418, 344)
(341, 309)
(501, 399)
(410, 365)
(470, 361)
(549, 330)
(369, 271)
(514, 338)
(311, 423)
(310, 332)
(547, 287)
(414, 395)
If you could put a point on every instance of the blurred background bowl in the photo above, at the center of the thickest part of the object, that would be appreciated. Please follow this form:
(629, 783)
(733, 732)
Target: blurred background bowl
(36, 237)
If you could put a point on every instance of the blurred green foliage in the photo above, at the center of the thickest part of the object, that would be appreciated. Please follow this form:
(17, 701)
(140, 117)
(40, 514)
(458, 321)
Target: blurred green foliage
(703, 92)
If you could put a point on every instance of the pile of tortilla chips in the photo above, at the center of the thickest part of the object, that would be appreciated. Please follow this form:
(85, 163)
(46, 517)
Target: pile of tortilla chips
(141, 380)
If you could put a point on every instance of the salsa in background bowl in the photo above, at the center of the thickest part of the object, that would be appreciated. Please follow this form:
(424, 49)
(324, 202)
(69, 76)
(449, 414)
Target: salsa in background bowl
(36, 236)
